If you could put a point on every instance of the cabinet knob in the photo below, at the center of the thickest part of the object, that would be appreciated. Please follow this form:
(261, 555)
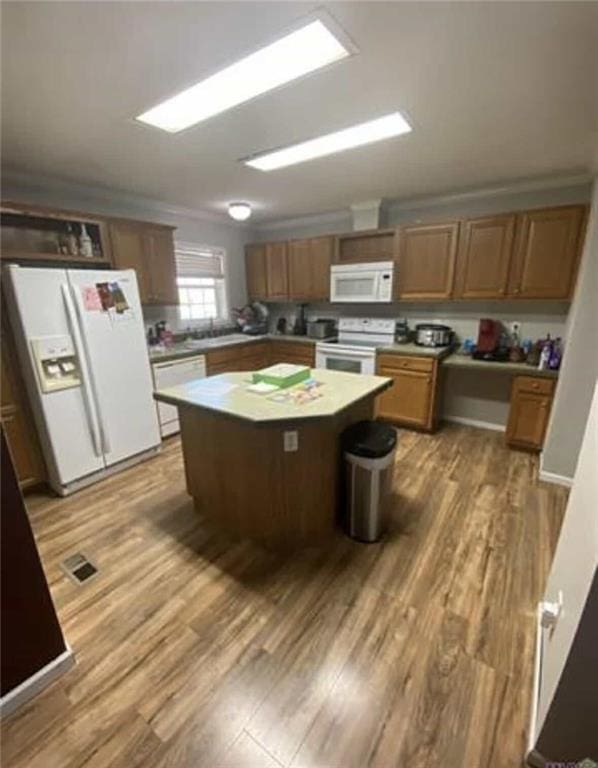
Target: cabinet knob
(535, 385)
(516, 290)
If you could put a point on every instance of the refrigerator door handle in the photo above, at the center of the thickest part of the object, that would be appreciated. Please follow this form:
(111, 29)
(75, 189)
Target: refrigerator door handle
(102, 423)
(90, 408)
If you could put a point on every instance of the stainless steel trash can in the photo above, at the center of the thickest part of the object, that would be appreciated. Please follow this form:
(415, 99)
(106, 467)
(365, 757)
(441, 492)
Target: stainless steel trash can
(369, 451)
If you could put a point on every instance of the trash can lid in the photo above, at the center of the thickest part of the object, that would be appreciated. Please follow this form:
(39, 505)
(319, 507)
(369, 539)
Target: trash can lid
(370, 439)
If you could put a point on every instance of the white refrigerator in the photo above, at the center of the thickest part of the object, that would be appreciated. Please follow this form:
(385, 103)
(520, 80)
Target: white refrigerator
(82, 347)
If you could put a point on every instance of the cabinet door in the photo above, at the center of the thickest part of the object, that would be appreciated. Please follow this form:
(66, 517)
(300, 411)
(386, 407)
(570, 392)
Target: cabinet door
(427, 255)
(321, 252)
(129, 252)
(528, 419)
(159, 247)
(300, 269)
(277, 276)
(409, 400)
(485, 248)
(255, 271)
(16, 417)
(546, 252)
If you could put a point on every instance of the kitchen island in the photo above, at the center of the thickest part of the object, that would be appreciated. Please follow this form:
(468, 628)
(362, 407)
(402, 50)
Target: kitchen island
(267, 467)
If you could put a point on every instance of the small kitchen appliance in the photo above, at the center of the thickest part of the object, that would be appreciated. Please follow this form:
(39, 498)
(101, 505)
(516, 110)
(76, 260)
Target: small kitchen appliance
(433, 335)
(355, 349)
(488, 346)
(362, 283)
(320, 329)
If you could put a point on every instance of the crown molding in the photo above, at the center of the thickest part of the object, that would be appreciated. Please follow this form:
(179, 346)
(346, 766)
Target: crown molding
(91, 194)
(329, 217)
(517, 187)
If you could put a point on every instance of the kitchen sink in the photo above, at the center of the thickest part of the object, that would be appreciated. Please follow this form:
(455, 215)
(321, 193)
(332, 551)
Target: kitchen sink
(216, 341)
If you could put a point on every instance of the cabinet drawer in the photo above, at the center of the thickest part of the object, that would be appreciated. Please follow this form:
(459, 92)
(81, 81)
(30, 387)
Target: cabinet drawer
(402, 362)
(535, 385)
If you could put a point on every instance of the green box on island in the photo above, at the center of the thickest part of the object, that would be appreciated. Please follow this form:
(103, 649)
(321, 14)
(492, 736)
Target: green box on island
(283, 375)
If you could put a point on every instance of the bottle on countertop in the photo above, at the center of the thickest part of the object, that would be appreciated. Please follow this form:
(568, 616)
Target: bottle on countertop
(556, 354)
(545, 353)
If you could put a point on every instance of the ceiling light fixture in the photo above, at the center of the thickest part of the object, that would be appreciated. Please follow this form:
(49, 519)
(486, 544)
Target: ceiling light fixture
(239, 211)
(306, 49)
(385, 127)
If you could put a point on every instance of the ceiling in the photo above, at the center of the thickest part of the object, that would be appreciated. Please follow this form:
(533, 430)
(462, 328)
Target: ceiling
(494, 91)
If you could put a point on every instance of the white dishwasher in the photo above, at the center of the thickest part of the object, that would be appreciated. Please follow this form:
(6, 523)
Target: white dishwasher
(169, 374)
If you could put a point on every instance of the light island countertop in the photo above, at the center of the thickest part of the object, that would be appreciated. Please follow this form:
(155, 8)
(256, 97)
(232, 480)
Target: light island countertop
(227, 394)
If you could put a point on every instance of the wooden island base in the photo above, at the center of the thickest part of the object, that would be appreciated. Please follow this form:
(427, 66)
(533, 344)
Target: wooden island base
(244, 482)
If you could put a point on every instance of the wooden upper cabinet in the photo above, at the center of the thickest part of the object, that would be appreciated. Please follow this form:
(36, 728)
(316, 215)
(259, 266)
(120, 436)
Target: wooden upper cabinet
(162, 265)
(309, 268)
(546, 252)
(484, 257)
(300, 272)
(322, 253)
(364, 246)
(255, 272)
(426, 262)
(128, 252)
(277, 274)
(149, 250)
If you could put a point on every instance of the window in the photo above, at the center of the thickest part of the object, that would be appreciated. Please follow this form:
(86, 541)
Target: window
(201, 282)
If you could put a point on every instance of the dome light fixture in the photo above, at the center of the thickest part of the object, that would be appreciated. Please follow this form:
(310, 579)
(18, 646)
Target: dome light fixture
(239, 211)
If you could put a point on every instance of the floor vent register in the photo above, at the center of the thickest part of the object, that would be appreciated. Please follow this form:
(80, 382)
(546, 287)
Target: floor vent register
(79, 568)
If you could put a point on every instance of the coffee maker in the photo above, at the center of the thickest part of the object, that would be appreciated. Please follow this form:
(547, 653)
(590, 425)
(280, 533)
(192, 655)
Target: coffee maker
(488, 344)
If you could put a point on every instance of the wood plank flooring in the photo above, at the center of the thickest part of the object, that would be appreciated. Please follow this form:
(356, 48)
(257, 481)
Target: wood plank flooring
(197, 650)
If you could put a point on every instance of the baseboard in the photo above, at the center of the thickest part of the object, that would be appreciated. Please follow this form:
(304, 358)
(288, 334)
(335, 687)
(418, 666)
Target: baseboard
(550, 477)
(36, 683)
(539, 650)
(536, 760)
(475, 423)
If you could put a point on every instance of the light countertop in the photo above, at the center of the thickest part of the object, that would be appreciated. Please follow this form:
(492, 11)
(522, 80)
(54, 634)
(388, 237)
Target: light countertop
(466, 362)
(183, 349)
(415, 350)
(227, 394)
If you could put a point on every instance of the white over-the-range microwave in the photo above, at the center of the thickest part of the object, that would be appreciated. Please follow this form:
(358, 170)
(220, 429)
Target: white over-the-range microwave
(362, 283)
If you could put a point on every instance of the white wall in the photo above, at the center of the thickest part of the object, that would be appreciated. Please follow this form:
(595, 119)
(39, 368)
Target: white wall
(202, 230)
(580, 364)
(574, 564)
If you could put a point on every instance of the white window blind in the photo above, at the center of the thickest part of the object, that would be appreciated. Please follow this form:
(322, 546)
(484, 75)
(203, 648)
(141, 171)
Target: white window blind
(201, 282)
(199, 261)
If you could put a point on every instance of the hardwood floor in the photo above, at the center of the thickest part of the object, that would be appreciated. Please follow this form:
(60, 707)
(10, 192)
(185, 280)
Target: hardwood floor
(196, 650)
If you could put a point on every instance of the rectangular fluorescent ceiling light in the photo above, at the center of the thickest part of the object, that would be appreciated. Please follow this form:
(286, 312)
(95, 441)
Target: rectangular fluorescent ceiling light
(365, 133)
(309, 48)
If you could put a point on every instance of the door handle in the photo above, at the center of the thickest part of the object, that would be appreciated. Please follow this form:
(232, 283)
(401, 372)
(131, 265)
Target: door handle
(88, 399)
(102, 424)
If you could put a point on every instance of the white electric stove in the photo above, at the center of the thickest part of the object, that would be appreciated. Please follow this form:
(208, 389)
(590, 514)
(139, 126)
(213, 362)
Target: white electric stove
(355, 349)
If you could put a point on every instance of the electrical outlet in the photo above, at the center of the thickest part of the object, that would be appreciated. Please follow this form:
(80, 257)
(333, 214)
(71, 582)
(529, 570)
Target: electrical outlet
(291, 440)
(516, 327)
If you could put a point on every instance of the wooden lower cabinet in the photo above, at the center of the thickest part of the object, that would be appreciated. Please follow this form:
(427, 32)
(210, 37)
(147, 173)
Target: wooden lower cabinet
(16, 416)
(300, 353)
(260, 354)
(531, 401)
(241, 357)
(412, 399)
